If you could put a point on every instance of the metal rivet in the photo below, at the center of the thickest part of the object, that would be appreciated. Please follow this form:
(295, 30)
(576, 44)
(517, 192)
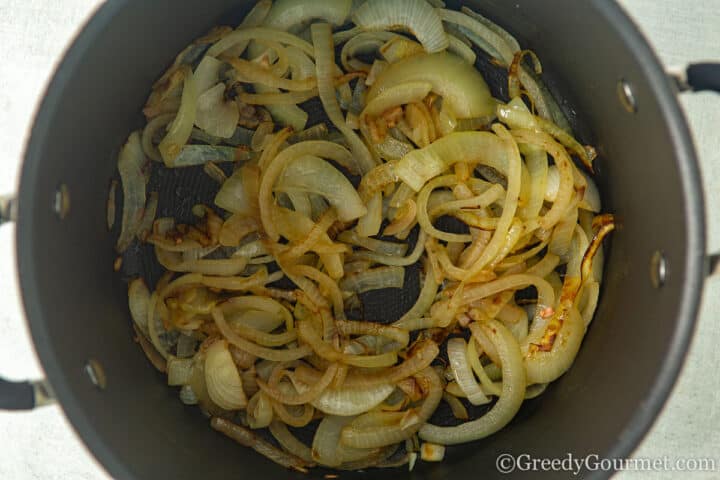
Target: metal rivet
(626, 96)
(658, 269)
(96, 373)
(61, 202)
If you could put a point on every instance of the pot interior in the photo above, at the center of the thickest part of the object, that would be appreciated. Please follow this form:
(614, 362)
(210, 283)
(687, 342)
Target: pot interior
(77, 307)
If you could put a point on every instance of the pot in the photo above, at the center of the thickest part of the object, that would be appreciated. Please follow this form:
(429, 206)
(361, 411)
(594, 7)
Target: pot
(618, 98)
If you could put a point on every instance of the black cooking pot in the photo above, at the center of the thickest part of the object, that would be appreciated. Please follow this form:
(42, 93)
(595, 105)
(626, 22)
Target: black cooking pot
(611, 85)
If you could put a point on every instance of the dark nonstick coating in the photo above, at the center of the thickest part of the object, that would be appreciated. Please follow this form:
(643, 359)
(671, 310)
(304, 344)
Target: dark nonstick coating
(77, 308)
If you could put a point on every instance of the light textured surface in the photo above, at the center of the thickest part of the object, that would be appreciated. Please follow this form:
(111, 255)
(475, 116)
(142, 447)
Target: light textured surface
(41, 444)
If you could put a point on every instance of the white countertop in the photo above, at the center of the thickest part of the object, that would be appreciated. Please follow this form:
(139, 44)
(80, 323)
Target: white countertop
(42, 445)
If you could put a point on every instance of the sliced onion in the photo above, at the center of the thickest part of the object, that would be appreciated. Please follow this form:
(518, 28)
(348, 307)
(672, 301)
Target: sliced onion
(112, 193)
(259, 411)
(370, 223)
(181, 127)
(253, 73)
(178, 370)
(308, 335)
(276, 355)
(223, 381)
(431, 452)
(456, 349)
(373, 437)
(419, 166)
(151, 129)
(362, 44)
(289, 442)
(286, 14)
(234, 195)
(325, 64)
(423, 303)
(456, 81)
(310, 174)
(148, 216)
(131, 165)
(254, 18)
(420, 357)
(565, 169)
(521, 118)
(379, 246)
(247, 438)
(326, 448)
(258, 33)
(192, 155)
(400, 94)
(215, 115)
(461, 49)
(352, 401)
(505, 408)
(207, 74)
(374, 279)
(415, 16)
(138, 300)
(399, 47)
(316, 132)
(288, 115)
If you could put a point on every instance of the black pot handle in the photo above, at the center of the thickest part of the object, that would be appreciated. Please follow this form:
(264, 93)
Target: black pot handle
(8, 209)
(24, 395)
(20, 395)
(698, 77)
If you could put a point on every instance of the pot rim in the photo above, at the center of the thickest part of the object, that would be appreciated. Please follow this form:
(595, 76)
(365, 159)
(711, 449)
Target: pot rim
(695, 258)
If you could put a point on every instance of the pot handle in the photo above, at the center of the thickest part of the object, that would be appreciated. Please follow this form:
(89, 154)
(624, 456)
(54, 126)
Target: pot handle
(8, 209)
(697, 77)
(20, 395)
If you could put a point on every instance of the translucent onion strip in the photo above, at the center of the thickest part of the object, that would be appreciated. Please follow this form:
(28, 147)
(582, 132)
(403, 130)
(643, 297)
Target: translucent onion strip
(416, 16)
(505, 408)
(325, 64)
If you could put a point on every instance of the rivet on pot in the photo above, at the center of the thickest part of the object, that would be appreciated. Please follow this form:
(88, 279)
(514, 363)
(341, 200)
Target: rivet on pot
(626, 96)
(96, 374)
(61, 202)
(658, 269)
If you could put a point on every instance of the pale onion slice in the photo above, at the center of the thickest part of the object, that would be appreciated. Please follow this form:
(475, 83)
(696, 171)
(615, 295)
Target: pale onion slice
(215, 115)
(327, 449)
(419, 166)
(398, 48)
(512, 396)
(182, 126)
(232, 195)
(349, 401)
(325, 66)
(286, 14)
(207, 74)
(457, 355)
(258, 33)
(254, 18)
(179, 370)
(415, 16)
(462, 50)
(311, 174)
(432, 452)
(456, 81)
(138, 300)
(223, 381)
(374, 279)
(131, 165)
(261, 313)
(259, 411)
(400, 94)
